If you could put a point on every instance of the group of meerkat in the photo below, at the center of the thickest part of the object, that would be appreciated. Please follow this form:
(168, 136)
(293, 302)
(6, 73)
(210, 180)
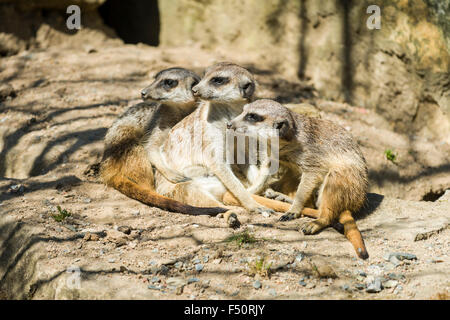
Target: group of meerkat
(169, 152)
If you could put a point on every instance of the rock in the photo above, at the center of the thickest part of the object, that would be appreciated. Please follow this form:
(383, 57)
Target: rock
(111, 260)
(272, 292)
(205, 259)
(299, 257)
(374, 286)
(198, 267)
(153, 287)
(257, 284)
(154, 280)
(396, 276)
(396, 257)
(176, 282)
(398, 289)
(345, 287)
(323, 270)
(124, 229)
(6, 91)
(302, 283)
(178, 264)
(359, 286)
(192, 280)
(390, 284)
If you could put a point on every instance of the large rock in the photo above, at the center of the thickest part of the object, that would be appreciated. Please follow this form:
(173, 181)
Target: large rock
(401, 70)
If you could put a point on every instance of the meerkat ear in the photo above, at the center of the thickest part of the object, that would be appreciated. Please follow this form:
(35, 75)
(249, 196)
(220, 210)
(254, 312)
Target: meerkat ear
(285, 131)
(247, 89)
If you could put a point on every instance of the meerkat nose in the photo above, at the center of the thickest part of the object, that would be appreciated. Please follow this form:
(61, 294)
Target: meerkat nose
(195, 91)
(229, 125)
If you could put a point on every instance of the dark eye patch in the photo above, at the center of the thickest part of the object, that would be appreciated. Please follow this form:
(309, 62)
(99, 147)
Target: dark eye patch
(169, 83)
(218, 81)
(194, 83)
(253, 117)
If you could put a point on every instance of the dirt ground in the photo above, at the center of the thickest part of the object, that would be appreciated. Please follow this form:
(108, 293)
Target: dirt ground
(53, 117)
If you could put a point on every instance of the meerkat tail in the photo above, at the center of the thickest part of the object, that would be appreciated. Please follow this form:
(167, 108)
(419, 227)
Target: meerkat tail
(275, 205)
(353, 234)
(150, 197)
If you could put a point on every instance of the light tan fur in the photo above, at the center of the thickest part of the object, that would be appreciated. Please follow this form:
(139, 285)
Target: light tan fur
(195, 147)
(327, 157)
(132, 144)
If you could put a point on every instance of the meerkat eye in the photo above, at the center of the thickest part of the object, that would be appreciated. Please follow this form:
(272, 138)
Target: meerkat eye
(253, 117)
(194, 83)
(219, 81)
(170, 83)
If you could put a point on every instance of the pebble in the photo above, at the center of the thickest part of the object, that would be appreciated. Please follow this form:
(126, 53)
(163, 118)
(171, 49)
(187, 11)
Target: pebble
(178, 264)
(359, 286)
(272, 292)
(398, 289)
(396, 276)
(154, 287)
(198, 267)
(176, 282)
(302, 283)
(111, 260)
(124, 229)
(192, 280)
(257, 284)
(155, 250)
(345, 287)
(154, 280)
(136, 213)
(205, 259)
(390, 284)
(196, 261)
(87, 200)
(375, 286)
(299, 257)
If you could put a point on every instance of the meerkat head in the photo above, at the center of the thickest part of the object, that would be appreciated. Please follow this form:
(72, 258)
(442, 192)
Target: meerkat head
(172, 86)
(226, 82)
(267, 118)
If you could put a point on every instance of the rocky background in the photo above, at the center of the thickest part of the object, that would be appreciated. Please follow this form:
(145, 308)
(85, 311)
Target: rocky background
(61, 89)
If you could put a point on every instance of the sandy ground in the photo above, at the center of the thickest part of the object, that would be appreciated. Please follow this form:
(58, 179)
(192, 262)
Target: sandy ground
(52, 129)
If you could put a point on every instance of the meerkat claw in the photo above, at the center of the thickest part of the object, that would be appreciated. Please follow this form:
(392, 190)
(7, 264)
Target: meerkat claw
(287, 217)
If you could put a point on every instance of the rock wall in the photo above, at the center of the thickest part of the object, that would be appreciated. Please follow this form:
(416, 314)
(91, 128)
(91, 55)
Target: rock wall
(401, 70)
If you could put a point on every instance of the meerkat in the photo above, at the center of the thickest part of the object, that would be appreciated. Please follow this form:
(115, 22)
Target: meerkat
(328, 158)
(133, 141)
(195, 146)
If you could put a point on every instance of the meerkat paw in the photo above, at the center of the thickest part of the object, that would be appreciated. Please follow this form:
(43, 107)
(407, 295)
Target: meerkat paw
(272, 194)
(288, 216)
(232, 219)
(313, 227)
(265, 212)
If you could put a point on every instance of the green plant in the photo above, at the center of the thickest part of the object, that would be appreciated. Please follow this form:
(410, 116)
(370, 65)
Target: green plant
(390, 155)
(63, 214)
(260, 266)
(241, 238)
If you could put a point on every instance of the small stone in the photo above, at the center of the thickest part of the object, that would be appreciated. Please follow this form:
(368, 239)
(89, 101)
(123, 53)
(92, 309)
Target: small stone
(136, 213)
(154, 280)
(176, 282)
(196, 261)
(359, 286)
(375, 286)
(155, 250)
(198, 267)
(111, 260)
(396, 276)
(390, 284)
(124, 229)
(302, 283)
(152, 287)
(257, 284)
(272, 292)
(310, 286)
(87, 200)
(299, 257)
(345, 287)
(178, 264)
(192, 280)
(398, 289)
(205, 259)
